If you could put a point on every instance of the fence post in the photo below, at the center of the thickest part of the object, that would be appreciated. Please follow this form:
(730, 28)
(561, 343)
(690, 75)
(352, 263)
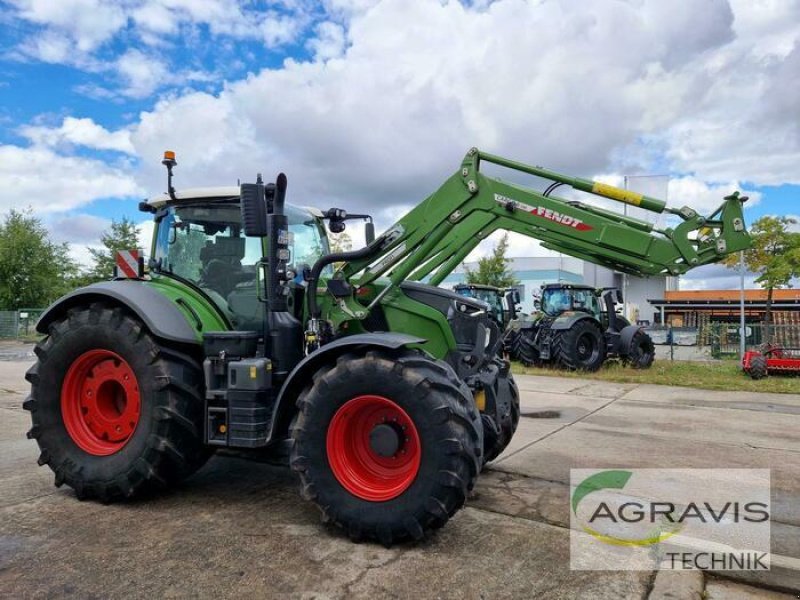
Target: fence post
(671, 334)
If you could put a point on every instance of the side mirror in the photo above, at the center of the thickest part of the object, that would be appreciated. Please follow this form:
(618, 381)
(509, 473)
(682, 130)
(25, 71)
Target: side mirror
(254, 209)
(369, 232)
(619, 296)
(537, 304)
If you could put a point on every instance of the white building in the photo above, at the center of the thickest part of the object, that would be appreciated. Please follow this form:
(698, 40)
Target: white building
(532, 272)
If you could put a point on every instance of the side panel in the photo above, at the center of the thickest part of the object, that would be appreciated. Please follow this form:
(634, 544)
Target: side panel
(170, 311)
(417, 319)
(568, 319)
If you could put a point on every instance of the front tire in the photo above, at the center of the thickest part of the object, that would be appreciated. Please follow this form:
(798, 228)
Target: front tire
(115, 413)
(582, 347)
(387, 446)
(642, 351)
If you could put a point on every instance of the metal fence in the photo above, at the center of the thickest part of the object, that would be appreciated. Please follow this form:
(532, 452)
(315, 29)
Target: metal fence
(19, 324)
(723, 339)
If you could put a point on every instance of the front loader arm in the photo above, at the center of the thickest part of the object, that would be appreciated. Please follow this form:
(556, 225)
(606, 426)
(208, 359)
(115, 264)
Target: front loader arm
(432, 239)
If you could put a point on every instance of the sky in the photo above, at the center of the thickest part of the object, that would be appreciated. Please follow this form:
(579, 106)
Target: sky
(371, 104)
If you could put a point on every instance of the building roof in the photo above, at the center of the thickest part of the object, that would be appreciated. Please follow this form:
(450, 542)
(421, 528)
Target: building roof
(708, 299)
(752, 294)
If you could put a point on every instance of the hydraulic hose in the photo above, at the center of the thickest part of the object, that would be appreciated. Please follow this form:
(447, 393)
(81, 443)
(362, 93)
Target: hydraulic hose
(311, 293)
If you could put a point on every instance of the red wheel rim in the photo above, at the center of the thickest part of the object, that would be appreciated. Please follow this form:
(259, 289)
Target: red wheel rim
(100, 402)
(361, 471)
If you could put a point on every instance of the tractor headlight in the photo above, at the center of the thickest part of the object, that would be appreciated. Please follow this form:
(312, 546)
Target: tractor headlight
(488, 337)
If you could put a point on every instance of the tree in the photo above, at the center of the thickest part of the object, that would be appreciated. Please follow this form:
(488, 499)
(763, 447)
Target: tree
(493, 269)
(123, 235)
(774, 255)
(340, 242)
(34, 271)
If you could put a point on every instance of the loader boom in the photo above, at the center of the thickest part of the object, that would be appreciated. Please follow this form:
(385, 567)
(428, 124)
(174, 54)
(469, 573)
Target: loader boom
(434, 237)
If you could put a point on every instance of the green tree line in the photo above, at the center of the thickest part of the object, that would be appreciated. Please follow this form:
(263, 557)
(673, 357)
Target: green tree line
(35, 270)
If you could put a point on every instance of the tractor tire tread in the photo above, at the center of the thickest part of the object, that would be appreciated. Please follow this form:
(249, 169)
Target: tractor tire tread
(174, 447)
(454, 415)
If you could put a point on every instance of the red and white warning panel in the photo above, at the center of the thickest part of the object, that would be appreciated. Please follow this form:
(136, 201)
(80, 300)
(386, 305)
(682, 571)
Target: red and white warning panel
(130, 264)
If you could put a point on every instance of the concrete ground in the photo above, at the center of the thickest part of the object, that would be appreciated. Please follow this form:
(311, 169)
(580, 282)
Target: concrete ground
(239, 529)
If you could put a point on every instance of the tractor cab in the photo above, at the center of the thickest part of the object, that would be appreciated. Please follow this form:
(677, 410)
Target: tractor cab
(502, 302)
(557, 299)
(199, 240)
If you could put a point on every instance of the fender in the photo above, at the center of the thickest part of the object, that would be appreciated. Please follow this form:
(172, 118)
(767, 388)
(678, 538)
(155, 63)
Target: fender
(159, 314)
(302, 373)
(567, 319)
(625, 338)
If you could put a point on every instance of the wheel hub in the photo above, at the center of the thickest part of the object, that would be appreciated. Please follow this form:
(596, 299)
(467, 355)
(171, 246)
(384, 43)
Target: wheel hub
(100, 402)
(385, 440)
(373, 448)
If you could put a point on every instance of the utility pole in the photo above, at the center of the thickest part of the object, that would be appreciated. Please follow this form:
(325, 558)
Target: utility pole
(742, 330)
(625, 275)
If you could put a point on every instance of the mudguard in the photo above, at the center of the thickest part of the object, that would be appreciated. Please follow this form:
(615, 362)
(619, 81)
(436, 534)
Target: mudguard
(159, 314)
(567, 319)
(301, 375)
(625, 337)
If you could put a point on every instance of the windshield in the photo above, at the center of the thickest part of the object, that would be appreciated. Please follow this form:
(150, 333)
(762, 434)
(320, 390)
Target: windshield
(558, 300)
(204, 244)
(491, 298)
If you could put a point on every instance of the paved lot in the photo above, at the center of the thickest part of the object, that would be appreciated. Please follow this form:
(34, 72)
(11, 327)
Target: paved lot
(239, 529)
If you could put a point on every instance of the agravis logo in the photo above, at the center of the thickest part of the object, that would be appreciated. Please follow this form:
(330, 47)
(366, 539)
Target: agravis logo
(662, 529)
(670, 518)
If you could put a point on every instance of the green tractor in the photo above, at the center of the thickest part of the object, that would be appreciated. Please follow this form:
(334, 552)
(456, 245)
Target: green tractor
(245, 332)
(577, 327)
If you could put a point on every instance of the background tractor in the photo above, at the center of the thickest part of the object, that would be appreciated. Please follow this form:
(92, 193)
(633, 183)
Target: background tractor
(503, 302)
(578, 328)
(246, 332)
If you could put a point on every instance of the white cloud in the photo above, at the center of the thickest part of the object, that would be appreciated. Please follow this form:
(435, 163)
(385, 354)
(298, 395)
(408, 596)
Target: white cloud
(52, 183)
(81, 132)
(84, 23)
(141, 73)
(397, 91)
(330, 41)
(421, 82)
(77, 228)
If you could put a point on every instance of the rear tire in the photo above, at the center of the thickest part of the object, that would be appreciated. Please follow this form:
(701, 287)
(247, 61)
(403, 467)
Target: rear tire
(642, 351)
(582, 347)
(758, 367)
(362, 491)
(524, 350)
(115, 414)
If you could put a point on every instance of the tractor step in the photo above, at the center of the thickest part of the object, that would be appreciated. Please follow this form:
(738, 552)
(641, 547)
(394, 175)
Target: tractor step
(239, 394)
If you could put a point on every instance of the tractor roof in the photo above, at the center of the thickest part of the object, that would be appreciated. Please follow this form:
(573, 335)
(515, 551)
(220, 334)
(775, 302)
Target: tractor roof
(477, 286)
(566, 286)
(209, 193)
